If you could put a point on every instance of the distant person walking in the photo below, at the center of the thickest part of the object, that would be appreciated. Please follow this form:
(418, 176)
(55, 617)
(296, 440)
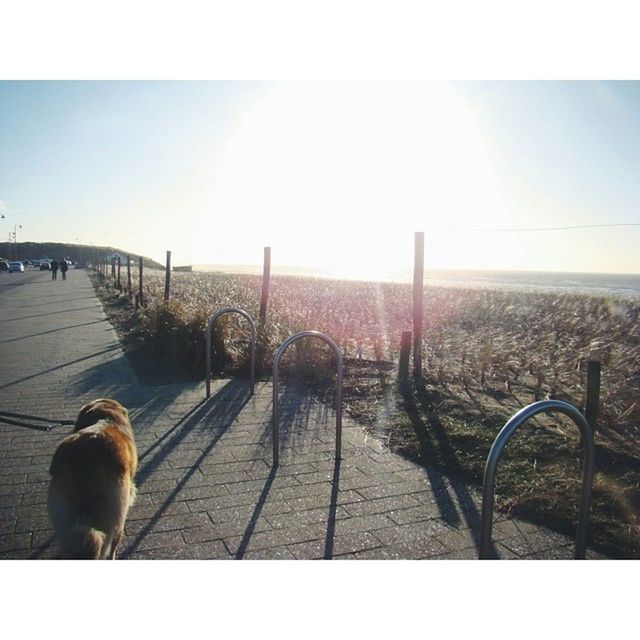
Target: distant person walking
(54, 269)
(64, 265)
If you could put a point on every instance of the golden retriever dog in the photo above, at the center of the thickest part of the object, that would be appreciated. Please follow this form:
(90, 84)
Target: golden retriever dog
(92, 486)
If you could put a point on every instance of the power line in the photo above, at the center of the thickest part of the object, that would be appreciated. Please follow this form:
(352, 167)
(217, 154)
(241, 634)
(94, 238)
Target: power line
(579, 226)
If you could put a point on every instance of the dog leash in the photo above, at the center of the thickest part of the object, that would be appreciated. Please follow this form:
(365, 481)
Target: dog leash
(7, 418)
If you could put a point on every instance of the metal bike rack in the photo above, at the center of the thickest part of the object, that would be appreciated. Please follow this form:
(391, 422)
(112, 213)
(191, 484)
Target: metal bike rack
(496, 451)
(252, 324)
(276, 362)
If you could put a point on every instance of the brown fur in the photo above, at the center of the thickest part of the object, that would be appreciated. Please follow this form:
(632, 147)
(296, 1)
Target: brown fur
(92, 482)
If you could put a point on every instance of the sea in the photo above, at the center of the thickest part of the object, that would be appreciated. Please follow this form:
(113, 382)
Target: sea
(601, 284)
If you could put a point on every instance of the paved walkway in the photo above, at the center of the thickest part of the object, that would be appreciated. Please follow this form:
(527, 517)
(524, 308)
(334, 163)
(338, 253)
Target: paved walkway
(206, 488)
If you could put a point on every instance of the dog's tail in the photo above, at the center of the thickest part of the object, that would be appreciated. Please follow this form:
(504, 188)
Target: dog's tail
(84, 543)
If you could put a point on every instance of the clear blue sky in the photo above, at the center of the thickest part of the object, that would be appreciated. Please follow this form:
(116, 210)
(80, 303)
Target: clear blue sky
(336, 175)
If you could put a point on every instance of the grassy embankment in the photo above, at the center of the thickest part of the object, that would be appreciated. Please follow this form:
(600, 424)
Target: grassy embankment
(486, 354)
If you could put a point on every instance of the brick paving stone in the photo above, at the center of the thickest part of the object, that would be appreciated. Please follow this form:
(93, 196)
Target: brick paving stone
(457, 540)
(32, 523)
(414, 533)
(249, 467)
(403, 551)
(214, 550)
(505, 553)
(415, 514)
(184, 493)
(310, 516)
(470, 553)
(345, 498)
(228, 529)
(148, 511)
(256, 486)
(362, 523)
(341, 545)
(283, 470)
(310, 550)
(394, 489)
(221, 502)
(15, 542)
(273, 553)
(275, 538)
(153, 540)
(380, 505)
(167, 523)
(556, 553)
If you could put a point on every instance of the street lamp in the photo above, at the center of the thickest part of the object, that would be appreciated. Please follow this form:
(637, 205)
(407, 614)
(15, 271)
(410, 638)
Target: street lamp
(15, 238)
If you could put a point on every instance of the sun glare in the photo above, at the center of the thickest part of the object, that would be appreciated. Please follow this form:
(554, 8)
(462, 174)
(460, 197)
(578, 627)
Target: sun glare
(339, 175)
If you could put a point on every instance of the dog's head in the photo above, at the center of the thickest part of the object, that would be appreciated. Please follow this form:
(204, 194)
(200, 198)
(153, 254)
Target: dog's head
(101, 409)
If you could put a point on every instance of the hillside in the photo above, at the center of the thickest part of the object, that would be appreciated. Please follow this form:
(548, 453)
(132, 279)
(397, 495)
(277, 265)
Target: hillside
(77, 252)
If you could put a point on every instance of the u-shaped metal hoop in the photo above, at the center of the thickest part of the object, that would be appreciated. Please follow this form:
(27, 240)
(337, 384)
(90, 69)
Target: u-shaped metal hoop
(496, 451)
(276, 381)
(252, 347)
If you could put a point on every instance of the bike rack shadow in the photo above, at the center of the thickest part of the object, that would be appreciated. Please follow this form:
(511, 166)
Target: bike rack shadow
(216, 415)
(276, 384)
(328, 552)
(432, 436)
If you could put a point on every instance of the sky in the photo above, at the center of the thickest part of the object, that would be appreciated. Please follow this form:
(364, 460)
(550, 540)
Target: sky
(331, 175)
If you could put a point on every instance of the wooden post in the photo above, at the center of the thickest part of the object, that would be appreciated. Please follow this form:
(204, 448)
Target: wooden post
(418, 298)
(167, 278)
(140, 294)
(129, 276)
(592, 403)
(266, 279)
(405, 349)
(113, 268)
(118, 283)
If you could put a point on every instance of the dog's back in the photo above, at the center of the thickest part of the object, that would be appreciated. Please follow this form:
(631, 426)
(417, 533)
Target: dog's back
(92, 486)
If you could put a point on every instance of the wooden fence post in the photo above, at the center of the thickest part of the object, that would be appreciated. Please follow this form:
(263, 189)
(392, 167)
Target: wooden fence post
(167, 278)
(129, 276)
(418, 298)
(266, 279)
(592, 403)
(405, 349)
(140, 295)
(119, 287)
(113, 268)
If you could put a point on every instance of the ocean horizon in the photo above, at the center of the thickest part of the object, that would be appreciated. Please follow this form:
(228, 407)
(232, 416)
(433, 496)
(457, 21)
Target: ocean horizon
(621, 284)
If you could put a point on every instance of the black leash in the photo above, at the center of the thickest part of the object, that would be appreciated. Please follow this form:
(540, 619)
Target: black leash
(5, 416)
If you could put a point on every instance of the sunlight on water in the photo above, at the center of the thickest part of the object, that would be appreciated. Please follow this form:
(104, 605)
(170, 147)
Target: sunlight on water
(594, 283)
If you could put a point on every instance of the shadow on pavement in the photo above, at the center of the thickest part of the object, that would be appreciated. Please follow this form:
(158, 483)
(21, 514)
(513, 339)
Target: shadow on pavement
(216, 413)
(301, 419)
(432, 437)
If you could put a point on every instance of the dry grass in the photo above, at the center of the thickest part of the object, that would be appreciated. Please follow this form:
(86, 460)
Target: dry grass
(486, 354)
(484, 340)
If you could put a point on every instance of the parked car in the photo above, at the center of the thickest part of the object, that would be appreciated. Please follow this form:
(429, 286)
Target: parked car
(15, 266)
(45, 266)
(4, 265)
